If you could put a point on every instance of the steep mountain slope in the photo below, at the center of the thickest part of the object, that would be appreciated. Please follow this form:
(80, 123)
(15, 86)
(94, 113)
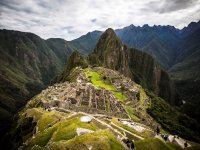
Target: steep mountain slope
(187, 63)
(190, 28)
(111, 53)
(87, 42)
(186, 72)
(27, 64)
(61, 48)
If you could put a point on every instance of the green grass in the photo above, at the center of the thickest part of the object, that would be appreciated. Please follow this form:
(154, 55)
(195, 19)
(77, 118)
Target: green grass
(101, 140)
(98, 82)
(35, 112)
(62, 130)
(120, 96)
(67, 129)
(173, 146)
(47, 119)
(129, 111)
(152, 144)
(42, 138)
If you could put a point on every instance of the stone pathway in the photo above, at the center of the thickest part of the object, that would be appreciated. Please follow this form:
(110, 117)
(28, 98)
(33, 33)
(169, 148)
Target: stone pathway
(81, 131)
(141, 138)
(134, 126)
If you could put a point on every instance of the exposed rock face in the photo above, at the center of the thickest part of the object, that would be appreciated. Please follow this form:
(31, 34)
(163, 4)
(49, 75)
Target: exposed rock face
(111, 53)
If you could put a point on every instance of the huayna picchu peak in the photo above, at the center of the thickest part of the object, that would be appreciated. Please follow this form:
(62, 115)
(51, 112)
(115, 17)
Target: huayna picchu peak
(114, 98)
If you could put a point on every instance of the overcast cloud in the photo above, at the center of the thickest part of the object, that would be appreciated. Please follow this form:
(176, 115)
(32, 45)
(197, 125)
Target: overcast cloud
(70, 19)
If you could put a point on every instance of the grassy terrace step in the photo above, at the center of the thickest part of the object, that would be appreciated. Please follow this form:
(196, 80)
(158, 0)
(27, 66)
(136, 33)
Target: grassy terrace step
(101, 140)
(155, 144)
(98, 81)
(58, 128)
(130, 112)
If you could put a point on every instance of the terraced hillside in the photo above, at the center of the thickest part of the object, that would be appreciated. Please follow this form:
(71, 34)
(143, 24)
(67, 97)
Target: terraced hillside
(97, 108)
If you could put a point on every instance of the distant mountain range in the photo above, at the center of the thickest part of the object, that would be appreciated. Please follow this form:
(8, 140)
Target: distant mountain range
(164, 43)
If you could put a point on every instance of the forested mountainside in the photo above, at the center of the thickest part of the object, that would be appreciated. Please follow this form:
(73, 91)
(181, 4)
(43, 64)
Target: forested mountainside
(28, 64)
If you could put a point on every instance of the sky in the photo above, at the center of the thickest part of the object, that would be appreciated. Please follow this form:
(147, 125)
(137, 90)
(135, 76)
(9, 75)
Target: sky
(70, 19)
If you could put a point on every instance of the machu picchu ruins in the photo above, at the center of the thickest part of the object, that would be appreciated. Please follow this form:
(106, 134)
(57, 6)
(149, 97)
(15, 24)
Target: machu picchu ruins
(82, 95)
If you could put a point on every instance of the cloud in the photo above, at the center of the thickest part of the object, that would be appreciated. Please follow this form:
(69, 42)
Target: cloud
(70, 19)
(93, 20)
(167, 6)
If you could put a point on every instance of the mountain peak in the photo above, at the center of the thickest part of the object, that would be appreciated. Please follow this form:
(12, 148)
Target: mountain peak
(109, 33)
(107, 40)
(110, 30)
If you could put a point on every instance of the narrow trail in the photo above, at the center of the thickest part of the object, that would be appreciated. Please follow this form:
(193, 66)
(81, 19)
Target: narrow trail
(139, 137)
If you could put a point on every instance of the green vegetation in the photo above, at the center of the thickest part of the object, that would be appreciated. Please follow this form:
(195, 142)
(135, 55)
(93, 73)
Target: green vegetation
(98, 82)
(174, 121)
(143, 96)
(108, 105)
(120, 96)
(75, 60)
(47, 120)
(130, 112)
(53, 127)
(103, 140)
(173, 146)
(35, 112)
(196, 147)
(42, 138)
(67, 130)
(153, 144)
